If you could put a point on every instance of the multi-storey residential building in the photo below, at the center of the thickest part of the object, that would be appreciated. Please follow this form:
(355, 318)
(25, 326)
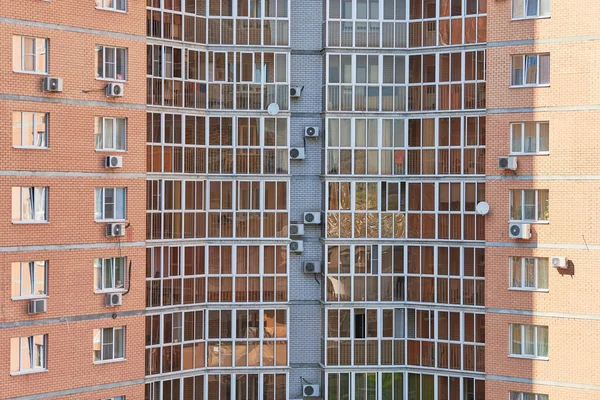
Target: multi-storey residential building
(344, 199)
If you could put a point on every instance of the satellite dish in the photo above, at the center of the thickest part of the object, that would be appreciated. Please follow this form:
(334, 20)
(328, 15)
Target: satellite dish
(482, 208)
(273, 109)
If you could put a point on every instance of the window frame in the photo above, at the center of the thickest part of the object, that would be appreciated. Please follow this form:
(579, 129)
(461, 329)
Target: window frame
(538, 130)
(32, 277)
(521, 395)
(524, 70)
(101, 5)
(100, 334)
(33, 220)
(101, 216)
(535, 356)
(35, 115)
(100, 275)
(35, 55)
(103, 76)
(100, 136)
(523, 203)
(43, 354)
(525, 16)
(538, 263)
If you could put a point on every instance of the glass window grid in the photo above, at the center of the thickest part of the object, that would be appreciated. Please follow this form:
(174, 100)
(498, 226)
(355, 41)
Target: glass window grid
(530, 9)
(187, 275)
(113, 5)
(110, 274)
(236, 23)
(115, 210)
(426, 217)
(519, 76)
(450, 275)
(29, 280)
(182, 77)
(392, 24)
(521, 206)
(267, 386)
(29, 204)
(413, 337)
(111, 63)
(30, 129)
(110, 133)
(527, 396)
(522, 336)
(28, 354)
(518, 139)
(109, 344)
(216, 145)
(528, 273)
(32, 62)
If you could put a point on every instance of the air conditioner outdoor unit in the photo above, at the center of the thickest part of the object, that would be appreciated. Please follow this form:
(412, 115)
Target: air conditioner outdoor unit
(115, 90)
(37, 306)
(519, 231)
(311, 391)
(311, 267)
(311, 131)
(507, 163)
(297, 153)
(296, 91)
(558, 262)
(114, 230)
(296, 229)
(113, 162)
(113, 299)
(50, 84)
(312, 218)
(296, 246)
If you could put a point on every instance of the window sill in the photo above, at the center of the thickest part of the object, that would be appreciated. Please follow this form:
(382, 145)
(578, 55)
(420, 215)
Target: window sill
(545, 85)
(116, 360)
(109, 151)
(31, 148)
(30, 222)
(529, 154)
(528, 357)
(524, 221)
(111, 10)
(33, 371)
(21, 298)
(530, 18)
(528, 290)
(110, 291)
(111, 80)
(31, 72)
(111, 221)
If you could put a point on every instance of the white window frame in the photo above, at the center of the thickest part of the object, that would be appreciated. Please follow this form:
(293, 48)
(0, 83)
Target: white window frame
(100, 124)
(35, 204)
(100, 266)
(522, 204)
(104, 76)
(38, 137)
(524, 11)
(35, 55)
(538, 131)
(101, 357)
(106, 5)
(31, 265)
(524, 58)
(41, 355)
(119, 194)
(522, 262)
(521, 396)
(522, 342)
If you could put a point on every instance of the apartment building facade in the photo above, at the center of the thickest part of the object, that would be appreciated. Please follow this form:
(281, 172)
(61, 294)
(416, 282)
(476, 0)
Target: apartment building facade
(343, 199)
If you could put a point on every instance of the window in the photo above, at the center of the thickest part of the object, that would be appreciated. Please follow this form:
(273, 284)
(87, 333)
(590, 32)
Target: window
(109, 273)
(529, 341)
(527, 396)
(115, 5)
(530, 8)
(28, 354)
(530, 138)
(30, 129)
(29, 204)
(528, 273)
(29, 279)
(117, 398)
(111, 63)
(30, 54)
(530, 70)
(109, 344)
(110, 204)
(529, 205)
(110, 133)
